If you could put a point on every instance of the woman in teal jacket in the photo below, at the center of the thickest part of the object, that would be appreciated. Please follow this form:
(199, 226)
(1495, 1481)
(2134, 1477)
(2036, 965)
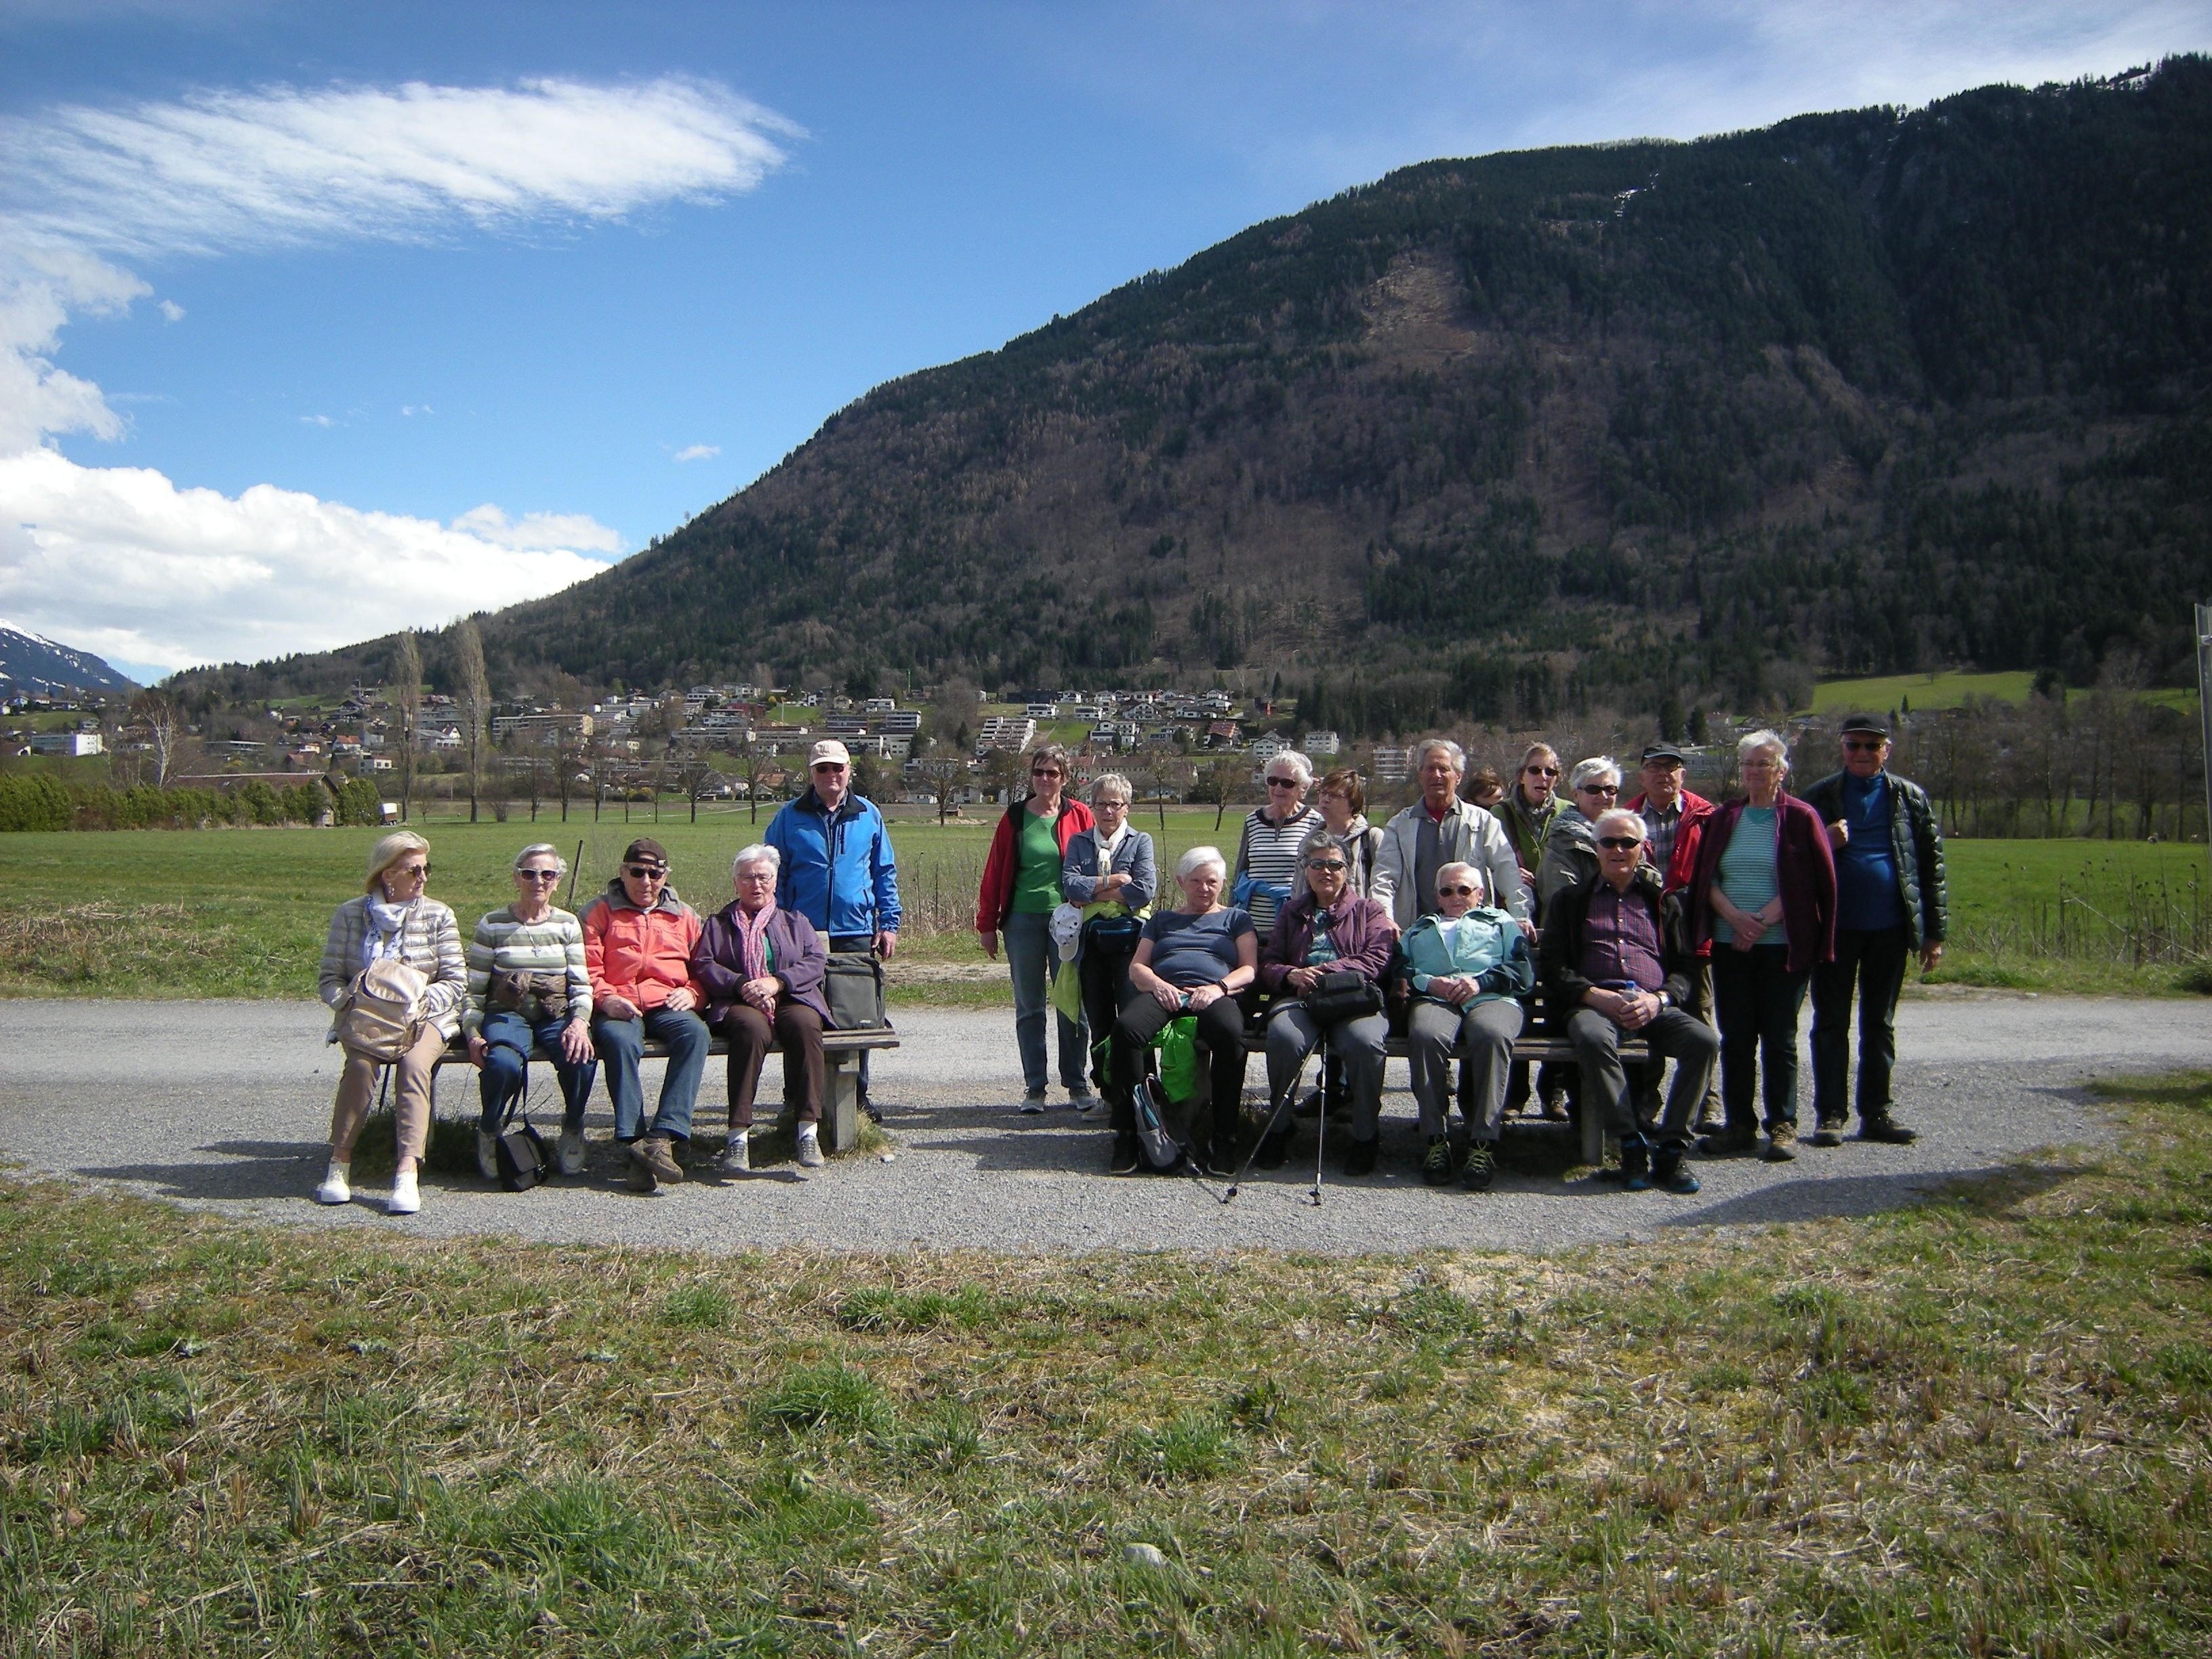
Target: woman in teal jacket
(1468, 964)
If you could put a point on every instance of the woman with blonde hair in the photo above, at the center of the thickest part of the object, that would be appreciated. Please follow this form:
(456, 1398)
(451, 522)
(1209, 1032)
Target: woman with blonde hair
(393, 919)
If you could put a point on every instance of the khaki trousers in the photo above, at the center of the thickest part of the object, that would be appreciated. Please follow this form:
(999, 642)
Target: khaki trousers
(410, 1096)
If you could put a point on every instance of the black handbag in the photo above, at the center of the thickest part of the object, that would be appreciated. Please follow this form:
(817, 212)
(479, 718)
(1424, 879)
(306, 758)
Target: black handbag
(1117, 936)
(519, 1152)
(1342, 994)
(852, 986)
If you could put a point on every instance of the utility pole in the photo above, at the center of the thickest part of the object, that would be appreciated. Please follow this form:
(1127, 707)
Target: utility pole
(2204, 708)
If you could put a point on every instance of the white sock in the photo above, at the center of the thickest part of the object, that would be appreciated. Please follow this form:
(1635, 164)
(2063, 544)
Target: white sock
(806, 1131)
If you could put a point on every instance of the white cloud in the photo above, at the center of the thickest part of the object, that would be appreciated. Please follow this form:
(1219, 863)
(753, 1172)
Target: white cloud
(699, 453)
(120, 561)
(578, 531)
(229, 170)
(412, 410)
(172, 312)
(39, 287)
(315, 420)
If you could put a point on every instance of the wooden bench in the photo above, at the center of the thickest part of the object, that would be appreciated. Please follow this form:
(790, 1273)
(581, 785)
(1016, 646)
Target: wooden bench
(1538, 1048)
(841, 1054)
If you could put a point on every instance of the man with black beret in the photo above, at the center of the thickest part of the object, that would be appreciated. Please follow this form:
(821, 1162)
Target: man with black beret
(1890, 903)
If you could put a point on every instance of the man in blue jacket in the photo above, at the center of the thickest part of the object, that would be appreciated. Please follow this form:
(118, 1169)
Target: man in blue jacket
(838, 870)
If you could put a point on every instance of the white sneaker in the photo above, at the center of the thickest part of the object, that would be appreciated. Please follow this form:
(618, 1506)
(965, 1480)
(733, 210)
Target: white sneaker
(487, 1156)
(406, 1196)
(571, 1154)
(337, 1188)
(737, 1154)
(810, 1147)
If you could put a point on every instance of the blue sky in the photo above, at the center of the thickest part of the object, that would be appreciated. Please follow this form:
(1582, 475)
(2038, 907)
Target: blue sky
(315, 319)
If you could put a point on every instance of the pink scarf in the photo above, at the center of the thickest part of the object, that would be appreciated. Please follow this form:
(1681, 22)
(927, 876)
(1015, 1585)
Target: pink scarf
(752, 939)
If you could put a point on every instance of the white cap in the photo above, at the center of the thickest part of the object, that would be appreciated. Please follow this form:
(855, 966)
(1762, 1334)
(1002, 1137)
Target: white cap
(829, 750)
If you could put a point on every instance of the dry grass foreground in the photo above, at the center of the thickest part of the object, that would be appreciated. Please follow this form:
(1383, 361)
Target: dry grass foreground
(1975, 1427)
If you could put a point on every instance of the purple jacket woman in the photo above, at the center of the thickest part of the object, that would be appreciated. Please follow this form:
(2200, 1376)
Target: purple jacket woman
(1804, 867)
(761, 967)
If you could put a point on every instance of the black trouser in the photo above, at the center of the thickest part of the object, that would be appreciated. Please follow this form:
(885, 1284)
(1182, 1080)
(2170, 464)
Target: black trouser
(1876, 957)
(1756, 999)
(1104, 976)
(1220, 1028)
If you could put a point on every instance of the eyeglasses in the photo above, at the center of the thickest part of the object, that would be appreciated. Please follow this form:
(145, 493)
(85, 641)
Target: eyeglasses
(409, 871)
(757, 875)
(1044, 771)
(540, 875)
(1282, 783)
(1541, 771)
(1621, 843)
(1864, 745)
(1598, 789)
(1338, 865)
(646, 872)
(1457, 892)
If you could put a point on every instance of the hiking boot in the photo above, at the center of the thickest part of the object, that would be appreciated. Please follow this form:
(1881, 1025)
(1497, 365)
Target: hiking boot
(1887, 1130)
(1669, 1174)
(875, 1112)
(1635, 1167)
(1273, 1152)
(1080, 1097)
(1216, 1157)
(570, 1154)
(1310, 1104)
(487, 1156)
(809, 1147)
(1481, 1168)
(1828, 1132)
(406, 1195)
(1127, 1156)
(1729, 1143)
(1555, 1108)
(1033, 1102)
(656, 1154)
(737, 1157)
(1710, 1119)
(1437, 1161)
(338, 1184)
(1781, 1144)
(1359, 1157)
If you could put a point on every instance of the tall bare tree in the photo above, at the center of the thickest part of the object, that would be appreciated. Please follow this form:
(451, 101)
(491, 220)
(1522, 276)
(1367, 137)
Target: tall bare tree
(476, 702)
(407, 688)
(165, 730)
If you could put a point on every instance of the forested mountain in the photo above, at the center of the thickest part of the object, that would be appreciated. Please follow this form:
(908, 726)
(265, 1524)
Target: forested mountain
(1861, 392)
(34, 665)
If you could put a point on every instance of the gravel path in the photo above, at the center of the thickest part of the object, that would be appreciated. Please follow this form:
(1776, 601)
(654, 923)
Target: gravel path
(224, 1106)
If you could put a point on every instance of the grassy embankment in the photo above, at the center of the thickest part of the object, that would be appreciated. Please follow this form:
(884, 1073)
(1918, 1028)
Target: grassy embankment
(1926, 692)
(1975, 1427)
(242, 913)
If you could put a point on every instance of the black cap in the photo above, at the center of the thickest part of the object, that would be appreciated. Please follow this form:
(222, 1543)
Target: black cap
(1874, 725)
(1665, 751)
(645, 850)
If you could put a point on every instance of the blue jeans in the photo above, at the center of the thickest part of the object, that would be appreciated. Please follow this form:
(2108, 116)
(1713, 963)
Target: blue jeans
(621, 1041)
(1033, 961)
(508, 1038)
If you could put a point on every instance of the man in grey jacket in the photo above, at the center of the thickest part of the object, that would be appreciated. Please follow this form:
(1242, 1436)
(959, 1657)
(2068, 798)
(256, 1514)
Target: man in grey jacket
(1440, 829)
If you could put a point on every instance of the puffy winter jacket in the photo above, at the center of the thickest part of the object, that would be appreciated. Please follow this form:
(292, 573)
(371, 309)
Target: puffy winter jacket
(636, 954)
(1916, 842)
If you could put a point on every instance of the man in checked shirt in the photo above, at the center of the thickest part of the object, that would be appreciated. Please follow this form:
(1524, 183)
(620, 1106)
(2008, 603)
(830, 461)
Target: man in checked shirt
(1615, 959)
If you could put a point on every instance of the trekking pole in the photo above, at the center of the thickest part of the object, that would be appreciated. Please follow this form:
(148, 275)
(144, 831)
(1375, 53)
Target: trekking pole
(1273, 1118)
(1321, 1123)
(574, 871)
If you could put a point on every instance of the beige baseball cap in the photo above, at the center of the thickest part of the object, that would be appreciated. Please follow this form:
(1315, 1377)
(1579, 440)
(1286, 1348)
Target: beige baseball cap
(829, 750)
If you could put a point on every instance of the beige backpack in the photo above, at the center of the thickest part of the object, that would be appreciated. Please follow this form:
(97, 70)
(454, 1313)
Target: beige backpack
(381, 1017)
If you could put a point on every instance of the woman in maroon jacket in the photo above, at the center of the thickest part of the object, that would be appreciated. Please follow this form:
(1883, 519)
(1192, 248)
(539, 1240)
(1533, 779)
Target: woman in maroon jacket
(1021, 890)
(1765, 895)
(762, 966)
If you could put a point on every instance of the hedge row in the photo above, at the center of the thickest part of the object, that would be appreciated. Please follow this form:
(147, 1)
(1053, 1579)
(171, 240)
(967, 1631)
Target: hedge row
(45, 803)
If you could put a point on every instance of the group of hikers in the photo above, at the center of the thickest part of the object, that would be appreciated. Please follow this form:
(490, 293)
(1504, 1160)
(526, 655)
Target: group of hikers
(1693, 928)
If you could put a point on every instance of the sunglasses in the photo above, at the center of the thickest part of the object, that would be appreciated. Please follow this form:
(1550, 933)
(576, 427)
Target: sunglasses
(1282, 783)
(1864, 745)
(646, 872)
(1044, 771)
(1338, 865)
(829, 766)
(1620, 843)
(1598, 789)
(1457, 892)
(407, 871)
(540, 875)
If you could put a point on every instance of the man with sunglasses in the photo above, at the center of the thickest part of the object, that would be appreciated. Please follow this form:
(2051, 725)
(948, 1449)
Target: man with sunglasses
(838, 868)
(1613, 960)
(638, 939)
(1890, 903)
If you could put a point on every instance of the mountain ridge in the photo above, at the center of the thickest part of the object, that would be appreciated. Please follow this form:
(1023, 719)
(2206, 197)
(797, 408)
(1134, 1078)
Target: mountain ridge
(1860, 392)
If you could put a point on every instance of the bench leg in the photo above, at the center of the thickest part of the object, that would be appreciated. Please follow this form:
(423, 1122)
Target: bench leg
(840, 1112)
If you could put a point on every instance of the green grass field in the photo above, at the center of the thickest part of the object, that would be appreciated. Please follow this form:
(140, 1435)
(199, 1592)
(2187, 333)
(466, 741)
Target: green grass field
(242, 912)
(1977, 1427)
(1931, 692)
